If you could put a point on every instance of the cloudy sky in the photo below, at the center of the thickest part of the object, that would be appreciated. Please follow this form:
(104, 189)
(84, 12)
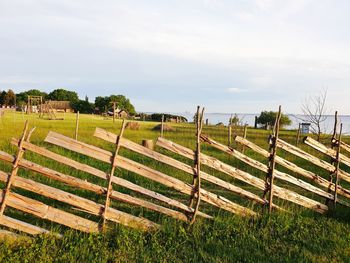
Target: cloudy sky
(230, 56)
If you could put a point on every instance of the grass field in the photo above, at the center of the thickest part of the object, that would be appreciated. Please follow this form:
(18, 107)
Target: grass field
(283, 237)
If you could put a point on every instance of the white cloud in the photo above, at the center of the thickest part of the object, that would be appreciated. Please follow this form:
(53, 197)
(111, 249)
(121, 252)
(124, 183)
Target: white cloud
(233, 90)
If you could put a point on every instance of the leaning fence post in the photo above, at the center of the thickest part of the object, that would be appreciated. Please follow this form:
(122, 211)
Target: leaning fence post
(298, 135)
(337, 164)
(162, 127)
(113, 111)
(76, 126)
(14, 171)
(335, 143)
(335, 126)
(197, 166)
(229, 135)
(244, 136)
(272, 157)
(110, 176)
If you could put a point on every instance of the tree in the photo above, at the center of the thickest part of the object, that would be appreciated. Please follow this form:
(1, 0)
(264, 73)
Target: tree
(10, 98)
(83, 106)
(102, 103)
(62, 94)
(314, 112)
(268, 118)
(2, 98)
(121, 101)
(22, 97)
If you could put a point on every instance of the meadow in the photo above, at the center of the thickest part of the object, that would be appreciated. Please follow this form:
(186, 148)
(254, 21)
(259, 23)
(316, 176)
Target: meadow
(297, 235)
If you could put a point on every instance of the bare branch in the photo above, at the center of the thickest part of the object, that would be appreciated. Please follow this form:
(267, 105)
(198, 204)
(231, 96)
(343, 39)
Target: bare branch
(314, 109)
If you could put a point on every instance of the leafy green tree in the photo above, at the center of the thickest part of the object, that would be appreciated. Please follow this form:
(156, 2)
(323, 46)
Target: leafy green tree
(2, 97)
(268, 118)
(22, 97)
(10, 98)
(62, 94)
(102, 103)
(121, 101)
(83, 106)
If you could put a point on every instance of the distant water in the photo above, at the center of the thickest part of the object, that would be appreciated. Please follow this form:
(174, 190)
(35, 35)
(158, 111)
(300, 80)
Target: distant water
(327, 125)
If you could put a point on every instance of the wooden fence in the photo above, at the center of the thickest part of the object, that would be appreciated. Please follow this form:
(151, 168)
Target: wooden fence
(306, 180)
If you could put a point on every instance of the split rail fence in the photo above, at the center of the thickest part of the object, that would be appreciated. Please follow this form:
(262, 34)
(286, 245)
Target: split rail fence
(328, 189)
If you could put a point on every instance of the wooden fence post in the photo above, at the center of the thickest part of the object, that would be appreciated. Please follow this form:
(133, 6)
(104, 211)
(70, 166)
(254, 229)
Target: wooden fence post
(272, 157)
(244, 136)
(148, 144)
(335, 126)
(256, 122)
(110, 176)
(197, 166)
(76, 126)
(335, 143)
(229, 135)
(162, 127)
(14, 171)
(337, 164)
(298, 135)
(113, 111)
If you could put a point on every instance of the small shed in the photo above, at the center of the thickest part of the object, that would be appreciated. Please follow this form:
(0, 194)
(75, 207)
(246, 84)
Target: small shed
(305, 127)
(123, 114)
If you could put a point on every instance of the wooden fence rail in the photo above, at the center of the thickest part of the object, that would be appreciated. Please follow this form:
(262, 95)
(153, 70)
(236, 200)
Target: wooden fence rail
(137, 168)
(299, 170)
(243, 176)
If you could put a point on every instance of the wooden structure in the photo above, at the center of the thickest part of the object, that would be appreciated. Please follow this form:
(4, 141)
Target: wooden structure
(48, 110)
(61, 106)
(34, 101)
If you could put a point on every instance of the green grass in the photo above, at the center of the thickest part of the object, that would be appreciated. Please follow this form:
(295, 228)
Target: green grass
(298, 236)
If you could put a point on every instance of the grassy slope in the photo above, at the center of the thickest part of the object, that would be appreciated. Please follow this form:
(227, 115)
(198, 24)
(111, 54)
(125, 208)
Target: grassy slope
(300, 236)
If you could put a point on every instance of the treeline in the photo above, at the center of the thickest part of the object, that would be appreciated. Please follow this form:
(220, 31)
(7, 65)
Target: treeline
(101, 104)
(158, 117)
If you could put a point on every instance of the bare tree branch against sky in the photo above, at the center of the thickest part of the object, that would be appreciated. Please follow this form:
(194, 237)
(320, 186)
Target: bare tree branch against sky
(231, 56)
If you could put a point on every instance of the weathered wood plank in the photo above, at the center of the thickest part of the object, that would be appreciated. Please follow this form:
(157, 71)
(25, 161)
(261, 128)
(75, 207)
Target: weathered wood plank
(264, 168)
(293, 167)
(21, 226)
(82, 203)
(108, 136)
(50, 213)
(76, 182)
(306, 156)
(145, 171)
(15, 168)
(243, 176)
(344, 146)
(111, 174)
(325, 150)
(331, 153)
(98, 173)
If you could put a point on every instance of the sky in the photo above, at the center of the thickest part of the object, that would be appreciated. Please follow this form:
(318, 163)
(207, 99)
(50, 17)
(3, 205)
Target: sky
(231, 56)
